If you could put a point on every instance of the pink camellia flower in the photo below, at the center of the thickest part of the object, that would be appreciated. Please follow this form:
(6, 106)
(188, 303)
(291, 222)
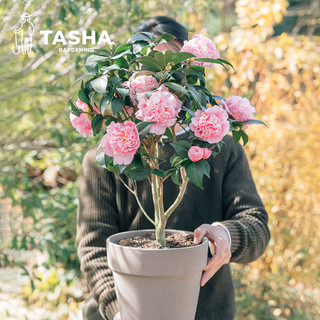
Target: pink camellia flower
(206, 153)
(201, 47)
(162, 108)
(195, 153)
(239, 108)
(82, 123)
(210, 125)
(121, 142)
(139, 84)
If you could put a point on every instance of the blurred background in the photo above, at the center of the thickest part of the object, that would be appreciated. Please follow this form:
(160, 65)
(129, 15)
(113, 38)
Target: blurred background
(275, 48)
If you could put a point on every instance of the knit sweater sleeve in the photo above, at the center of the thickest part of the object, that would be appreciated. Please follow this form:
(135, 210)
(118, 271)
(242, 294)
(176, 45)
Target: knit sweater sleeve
(97, 219)
(245, 215)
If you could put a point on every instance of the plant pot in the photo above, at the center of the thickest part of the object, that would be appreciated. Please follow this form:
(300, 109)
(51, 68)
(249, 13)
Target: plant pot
(156, 284)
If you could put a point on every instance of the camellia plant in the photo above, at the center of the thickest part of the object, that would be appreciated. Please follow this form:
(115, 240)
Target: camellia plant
(136, 94)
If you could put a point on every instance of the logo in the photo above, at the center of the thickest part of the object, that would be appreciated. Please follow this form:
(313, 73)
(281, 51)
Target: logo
(23, 36)
(66, 42)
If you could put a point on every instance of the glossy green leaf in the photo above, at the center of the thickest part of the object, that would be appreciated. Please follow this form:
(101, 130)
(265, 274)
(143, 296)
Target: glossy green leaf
(177, 87)
(196, 170)
(116, 105)
(96, 123)
(150, 62)
(143, 129)
(181, 56)
(181, 148)
(100, 84)
(105, 102)
(137, 170)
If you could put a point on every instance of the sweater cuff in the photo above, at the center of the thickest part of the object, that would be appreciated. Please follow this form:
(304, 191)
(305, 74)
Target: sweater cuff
(108, 308)
(221, 225)
(234, 234)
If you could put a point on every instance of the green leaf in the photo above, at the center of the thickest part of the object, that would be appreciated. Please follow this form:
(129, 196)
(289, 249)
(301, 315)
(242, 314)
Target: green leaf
(159, 58)
(48, 23)
(217, 61)
(166, 36)
(254, 121)
(96, 123)
(83, 97)
(175, 176)
(150, 62)
(196, 170)
(116, 105)
(23, 243)
(121, 54)
(138, 46)
(177, 87)
(184, 108)
(168, 133)
(168, 56)
(102, 158)
(62, 14)
(137, 170)
(219, 145)
(103, 52)
(123, 91)
(115, 81)
(194, 93)
(228, 63)
(100, 84)
(143, 129)
(14, 243)
(97, 5)
(198, 74)
(82, 77)
(181, 148)
(123, 47)
(236, 135)
(160, 173)
(245, 138)
(214, 96)
(105, 102)
(177, 161)
(109, 120)
(181, 56)
(113, 67)
(121, 62)
(74, 109)
(92, 67)
(96, 58)
(141, 36)
(198, 69)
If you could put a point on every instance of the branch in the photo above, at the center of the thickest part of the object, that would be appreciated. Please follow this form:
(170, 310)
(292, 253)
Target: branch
(180, 195)
(140, 205)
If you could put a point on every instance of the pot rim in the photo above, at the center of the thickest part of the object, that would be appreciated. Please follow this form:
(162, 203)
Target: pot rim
(205, 241)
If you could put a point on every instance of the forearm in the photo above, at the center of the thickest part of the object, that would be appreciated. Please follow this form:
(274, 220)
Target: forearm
(244, 213)
(250, 235)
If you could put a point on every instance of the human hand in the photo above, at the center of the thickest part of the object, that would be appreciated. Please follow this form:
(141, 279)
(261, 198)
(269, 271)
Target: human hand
(219, 247)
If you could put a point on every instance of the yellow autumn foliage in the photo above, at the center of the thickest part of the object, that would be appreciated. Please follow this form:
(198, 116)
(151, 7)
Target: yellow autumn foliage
(281, 77)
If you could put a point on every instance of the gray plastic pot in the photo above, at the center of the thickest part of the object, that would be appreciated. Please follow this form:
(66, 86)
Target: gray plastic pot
(156, 284)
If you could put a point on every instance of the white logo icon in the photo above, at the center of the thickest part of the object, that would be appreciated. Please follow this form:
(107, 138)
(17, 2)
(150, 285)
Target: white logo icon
(23, 36)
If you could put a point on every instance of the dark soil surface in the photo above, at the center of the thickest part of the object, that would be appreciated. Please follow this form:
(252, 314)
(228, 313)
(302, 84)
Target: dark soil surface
(174, 240)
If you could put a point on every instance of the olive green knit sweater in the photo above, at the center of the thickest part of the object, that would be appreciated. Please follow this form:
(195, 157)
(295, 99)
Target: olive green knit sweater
(107, 207)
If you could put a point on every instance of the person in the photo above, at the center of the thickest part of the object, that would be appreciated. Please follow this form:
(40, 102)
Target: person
(229, 212)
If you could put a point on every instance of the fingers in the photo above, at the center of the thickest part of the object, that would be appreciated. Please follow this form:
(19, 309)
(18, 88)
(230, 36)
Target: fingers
(219, 247)
(200, 232)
